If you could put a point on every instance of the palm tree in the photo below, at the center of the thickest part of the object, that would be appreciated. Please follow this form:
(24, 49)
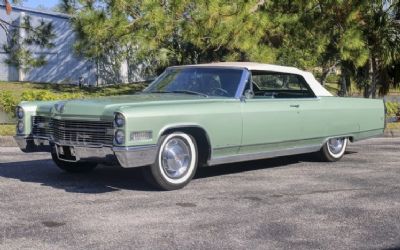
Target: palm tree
(382, 34)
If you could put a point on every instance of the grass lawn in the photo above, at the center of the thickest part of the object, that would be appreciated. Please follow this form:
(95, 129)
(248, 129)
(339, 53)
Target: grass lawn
(7, 130)
(394, 125)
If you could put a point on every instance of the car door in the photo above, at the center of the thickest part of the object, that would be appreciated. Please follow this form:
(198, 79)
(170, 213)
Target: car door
(272, 112)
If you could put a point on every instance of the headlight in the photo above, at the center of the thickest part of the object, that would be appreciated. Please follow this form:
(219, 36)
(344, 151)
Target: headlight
(119, 120)
(119, 137)
(19, 112)
(20, 127)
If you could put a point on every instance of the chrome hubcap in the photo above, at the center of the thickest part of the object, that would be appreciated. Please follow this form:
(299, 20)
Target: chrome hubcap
(336, 145)
(176, 158)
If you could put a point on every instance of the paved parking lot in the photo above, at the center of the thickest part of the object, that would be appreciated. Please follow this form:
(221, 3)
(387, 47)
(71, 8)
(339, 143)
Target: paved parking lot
(284, 203)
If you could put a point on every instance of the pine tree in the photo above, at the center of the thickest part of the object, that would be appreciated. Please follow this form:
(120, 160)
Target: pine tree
(162, 33)
(67, 6)
(18, 48)
(358, 36)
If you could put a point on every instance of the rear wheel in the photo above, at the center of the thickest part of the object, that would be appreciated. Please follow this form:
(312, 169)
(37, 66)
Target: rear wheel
(176, 162)
(73, 167)
(334, 149)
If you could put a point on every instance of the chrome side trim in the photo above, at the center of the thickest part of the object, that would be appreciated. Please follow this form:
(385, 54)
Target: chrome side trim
(324, 139)
(271, 143)
(137, 156)
(263, 155)
(354, 137)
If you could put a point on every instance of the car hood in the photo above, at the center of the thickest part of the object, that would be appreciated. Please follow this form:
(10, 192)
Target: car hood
(106, 106)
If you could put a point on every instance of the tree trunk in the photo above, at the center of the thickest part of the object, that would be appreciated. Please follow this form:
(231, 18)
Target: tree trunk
(348, 83)
(343, 82)
(366, 91)
(97, 72)
(374, 70)
(324, 76)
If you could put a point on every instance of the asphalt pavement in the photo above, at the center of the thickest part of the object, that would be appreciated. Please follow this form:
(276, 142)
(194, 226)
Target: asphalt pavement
(284, 203)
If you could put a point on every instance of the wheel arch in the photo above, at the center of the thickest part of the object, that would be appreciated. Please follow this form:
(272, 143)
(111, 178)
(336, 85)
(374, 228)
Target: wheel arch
(350, 137)
(200, 135)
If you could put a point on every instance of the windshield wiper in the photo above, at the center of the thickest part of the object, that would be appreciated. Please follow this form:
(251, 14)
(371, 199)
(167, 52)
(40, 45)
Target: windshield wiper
(160, 92)
(188, 92)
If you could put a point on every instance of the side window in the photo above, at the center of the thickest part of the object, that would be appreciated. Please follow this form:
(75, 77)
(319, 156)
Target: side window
(268, 84)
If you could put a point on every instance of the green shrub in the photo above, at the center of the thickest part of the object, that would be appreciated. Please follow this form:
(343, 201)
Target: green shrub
(333, 78)
(392, 108)
(46, 95)
(8, 102)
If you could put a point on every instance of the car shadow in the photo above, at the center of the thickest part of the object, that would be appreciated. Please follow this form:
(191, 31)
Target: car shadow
(102, 180)
(239, 167)
(111, 178)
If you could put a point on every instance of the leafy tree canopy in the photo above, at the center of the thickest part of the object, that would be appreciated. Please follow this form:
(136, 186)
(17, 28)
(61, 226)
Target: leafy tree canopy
(360, 37)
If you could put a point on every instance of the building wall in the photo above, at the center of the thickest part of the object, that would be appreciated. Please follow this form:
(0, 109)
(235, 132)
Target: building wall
(63, 66)
(7, 73)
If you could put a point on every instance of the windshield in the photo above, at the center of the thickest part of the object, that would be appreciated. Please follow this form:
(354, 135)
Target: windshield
(198, 81)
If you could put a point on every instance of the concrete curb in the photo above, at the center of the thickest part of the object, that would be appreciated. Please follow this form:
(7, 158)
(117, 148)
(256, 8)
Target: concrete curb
(392, 133)
(8, 141)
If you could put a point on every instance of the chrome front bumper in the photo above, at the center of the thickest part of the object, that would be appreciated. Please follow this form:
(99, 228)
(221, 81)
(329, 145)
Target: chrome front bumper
(128, 157)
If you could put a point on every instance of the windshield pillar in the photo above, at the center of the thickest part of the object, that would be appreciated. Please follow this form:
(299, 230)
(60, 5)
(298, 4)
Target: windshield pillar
(242, 85)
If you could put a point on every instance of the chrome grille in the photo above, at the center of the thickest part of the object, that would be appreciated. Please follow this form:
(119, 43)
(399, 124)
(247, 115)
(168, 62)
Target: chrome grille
(41, 126)
(75, 132)
(83, 132)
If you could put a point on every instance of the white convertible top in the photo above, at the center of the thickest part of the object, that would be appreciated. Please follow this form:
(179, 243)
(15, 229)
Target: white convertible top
(317, 88)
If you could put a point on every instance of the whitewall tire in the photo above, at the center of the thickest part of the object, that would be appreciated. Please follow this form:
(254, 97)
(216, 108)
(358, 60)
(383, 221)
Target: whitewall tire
(334, 149)
(176, 162)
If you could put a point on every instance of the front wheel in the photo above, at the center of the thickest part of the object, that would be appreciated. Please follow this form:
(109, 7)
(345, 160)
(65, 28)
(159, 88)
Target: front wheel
(176, 162)
(334, 149)
(73, 167)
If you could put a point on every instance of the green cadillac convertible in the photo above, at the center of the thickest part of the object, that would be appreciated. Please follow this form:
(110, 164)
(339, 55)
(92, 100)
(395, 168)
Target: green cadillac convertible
(200, 115)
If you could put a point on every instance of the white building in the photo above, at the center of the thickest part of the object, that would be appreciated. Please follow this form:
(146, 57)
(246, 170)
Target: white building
(63, 66)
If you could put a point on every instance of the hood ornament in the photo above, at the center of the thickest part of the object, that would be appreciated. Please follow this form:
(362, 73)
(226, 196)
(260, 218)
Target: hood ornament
(59, 106)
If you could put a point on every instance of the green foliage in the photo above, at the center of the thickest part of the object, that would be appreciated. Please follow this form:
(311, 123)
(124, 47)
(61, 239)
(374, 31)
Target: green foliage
(18, 47)
(161, 33)
(361, 38)
(392, 108)
(67, 6)
(13, 93)
(7, 130)
(8, 102)
(46, 95)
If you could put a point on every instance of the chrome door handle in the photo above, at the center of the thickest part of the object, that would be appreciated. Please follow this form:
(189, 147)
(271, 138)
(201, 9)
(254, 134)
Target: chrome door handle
(295, 106)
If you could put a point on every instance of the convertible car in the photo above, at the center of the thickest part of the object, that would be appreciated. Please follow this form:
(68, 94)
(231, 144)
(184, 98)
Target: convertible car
(200, 115)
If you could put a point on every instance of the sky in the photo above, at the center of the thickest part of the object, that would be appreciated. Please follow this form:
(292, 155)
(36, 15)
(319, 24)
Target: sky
(49, 4)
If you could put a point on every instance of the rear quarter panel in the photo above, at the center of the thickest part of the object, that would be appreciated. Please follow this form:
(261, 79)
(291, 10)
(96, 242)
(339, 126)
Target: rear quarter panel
(334, 116)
